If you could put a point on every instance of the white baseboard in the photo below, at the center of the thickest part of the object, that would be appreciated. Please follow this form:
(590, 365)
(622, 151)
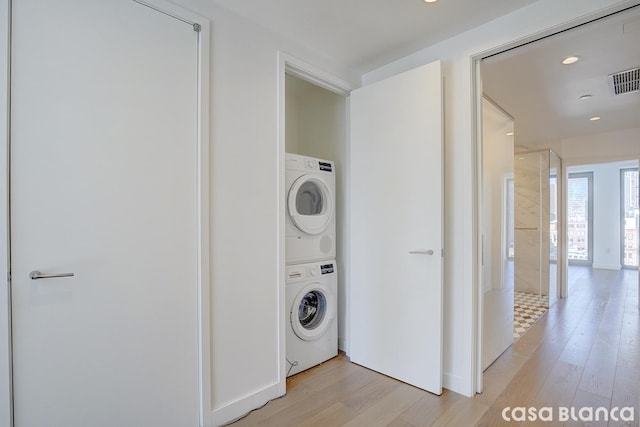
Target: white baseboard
(242, 406)
(606, 267)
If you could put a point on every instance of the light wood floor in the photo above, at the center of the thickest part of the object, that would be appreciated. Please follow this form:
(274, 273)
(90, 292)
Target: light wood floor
(585, 351)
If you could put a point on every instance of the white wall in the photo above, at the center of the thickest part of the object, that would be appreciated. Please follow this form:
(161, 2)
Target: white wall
(541, 18)
(601, 147)
(246, 280)
(291, 120)
(606, 216)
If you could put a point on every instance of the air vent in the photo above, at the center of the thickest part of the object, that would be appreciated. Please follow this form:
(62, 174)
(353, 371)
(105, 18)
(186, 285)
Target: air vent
(625, 81)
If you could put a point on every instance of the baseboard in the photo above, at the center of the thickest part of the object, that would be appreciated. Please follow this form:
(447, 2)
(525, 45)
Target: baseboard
(242, 406)
(606, 267)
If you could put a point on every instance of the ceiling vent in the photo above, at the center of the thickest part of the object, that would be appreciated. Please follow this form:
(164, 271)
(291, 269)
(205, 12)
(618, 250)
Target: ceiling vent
(625, 81)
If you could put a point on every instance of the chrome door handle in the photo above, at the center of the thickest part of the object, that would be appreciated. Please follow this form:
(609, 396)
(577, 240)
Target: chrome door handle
(34, 275)
(422, 251)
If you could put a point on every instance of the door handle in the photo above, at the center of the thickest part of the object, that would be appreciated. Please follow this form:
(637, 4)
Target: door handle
(34, 275)
(422, 251)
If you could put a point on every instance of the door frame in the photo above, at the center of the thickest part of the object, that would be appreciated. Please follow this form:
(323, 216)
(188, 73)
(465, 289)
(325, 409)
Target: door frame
(204, 329)
(475, 60)
(6, 417)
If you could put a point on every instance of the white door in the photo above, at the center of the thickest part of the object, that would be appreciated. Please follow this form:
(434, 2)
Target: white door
(497, 232)
(104, 186)
(396, 227)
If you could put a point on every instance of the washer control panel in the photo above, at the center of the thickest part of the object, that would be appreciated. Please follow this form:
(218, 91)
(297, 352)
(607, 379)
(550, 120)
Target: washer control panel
(326, 268)
(295, 273)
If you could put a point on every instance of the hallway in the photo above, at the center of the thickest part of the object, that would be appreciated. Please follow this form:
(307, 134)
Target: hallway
(584, 352)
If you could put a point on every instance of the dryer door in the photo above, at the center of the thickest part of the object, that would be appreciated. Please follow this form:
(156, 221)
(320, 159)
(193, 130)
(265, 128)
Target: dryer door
(310, 204)
(312, 311)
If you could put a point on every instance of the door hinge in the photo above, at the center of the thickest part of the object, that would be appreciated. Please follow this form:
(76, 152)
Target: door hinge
(197, 28)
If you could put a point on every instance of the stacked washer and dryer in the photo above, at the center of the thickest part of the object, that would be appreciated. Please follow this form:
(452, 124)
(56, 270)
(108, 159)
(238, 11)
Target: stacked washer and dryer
(310, 250)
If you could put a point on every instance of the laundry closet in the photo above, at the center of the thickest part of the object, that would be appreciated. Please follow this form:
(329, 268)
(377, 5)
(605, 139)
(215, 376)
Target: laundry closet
(316, 126)
(390, 140)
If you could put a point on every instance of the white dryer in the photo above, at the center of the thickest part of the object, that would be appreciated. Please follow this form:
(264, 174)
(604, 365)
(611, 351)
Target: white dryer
(310, 224)
(312, 305)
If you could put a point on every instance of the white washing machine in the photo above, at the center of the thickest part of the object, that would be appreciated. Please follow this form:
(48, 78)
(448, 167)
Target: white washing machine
(310, 224)
(312, 306)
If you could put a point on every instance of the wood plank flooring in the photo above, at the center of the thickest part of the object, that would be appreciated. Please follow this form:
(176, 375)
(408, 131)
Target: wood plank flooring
(584, 352)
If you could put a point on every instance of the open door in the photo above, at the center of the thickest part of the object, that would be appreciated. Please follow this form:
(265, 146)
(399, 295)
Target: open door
(497, 231)
(397, 226)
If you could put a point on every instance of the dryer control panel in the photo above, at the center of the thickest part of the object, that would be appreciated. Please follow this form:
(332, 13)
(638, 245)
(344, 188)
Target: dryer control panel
(325, 166)
(307, 164)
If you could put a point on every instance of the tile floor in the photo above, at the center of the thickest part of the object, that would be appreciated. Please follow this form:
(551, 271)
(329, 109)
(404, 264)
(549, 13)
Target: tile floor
(527, 308)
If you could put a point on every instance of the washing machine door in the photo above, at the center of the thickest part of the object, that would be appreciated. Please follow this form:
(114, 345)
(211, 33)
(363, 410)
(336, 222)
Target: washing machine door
(310, 204)
(312, 311)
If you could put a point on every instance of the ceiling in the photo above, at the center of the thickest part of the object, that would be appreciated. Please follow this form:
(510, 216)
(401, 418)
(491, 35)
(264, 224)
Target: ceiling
(543, 95)
(529, 82)
(362, 35)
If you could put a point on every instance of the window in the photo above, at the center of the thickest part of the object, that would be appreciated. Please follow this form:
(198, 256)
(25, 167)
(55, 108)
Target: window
(629, 217)
(579, 218)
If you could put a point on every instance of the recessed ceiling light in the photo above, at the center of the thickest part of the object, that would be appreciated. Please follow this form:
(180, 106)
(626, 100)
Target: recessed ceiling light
(595, 118)
(430, 1)
(587, 96)
(570, 60)
(510, 133)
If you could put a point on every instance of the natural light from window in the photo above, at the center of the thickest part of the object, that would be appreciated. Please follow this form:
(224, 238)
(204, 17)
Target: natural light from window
(578, 217)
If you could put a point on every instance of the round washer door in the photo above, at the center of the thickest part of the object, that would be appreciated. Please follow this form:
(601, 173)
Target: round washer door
(310, 204)
(312, 311)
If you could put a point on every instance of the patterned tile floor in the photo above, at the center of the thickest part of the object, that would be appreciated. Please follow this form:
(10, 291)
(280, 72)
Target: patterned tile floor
(527, 308)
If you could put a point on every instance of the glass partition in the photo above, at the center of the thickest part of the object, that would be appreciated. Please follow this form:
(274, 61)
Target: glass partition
(537, 245)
